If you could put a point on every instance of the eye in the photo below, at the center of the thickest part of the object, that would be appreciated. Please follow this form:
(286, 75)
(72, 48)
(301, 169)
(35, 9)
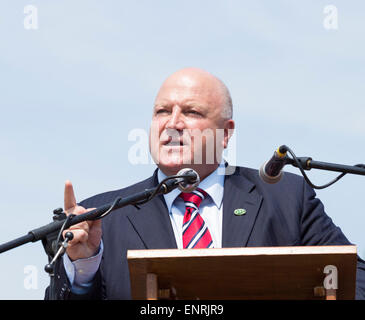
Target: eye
(161, 111)
(194, 112)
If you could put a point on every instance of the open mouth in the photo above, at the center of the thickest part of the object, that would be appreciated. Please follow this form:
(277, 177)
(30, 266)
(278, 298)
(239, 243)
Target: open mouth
(174, 144)
(170, 142)
(174, 138)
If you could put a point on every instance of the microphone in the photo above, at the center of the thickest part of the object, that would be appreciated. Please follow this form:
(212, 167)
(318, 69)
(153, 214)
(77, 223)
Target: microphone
(190, 182)
(271, 171)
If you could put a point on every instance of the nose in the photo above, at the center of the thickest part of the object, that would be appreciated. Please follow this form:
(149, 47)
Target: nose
(175, 120)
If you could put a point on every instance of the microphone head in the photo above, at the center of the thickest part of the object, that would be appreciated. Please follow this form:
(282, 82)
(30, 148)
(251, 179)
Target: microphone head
(267, 178)
(191, 182)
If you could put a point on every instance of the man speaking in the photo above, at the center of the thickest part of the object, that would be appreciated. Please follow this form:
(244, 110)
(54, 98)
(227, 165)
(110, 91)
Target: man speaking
(191, 126)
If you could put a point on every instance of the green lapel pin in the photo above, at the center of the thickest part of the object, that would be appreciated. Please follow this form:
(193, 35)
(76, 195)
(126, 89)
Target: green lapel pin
(239, 212)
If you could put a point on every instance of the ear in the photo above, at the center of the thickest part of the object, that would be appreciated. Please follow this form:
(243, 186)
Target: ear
(228, 131)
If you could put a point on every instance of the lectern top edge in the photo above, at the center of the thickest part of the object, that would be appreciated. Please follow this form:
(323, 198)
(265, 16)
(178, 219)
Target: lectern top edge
(248, 251)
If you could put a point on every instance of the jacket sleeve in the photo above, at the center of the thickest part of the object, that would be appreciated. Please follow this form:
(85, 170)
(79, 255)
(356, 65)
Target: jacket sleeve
(60, 287)
(317, 228)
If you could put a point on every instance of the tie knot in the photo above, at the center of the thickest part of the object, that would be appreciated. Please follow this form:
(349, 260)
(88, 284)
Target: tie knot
(195, 197)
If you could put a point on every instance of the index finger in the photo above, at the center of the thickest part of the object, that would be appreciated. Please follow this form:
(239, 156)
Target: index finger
(69, 197)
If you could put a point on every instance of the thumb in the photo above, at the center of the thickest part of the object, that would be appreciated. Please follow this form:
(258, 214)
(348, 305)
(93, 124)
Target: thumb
(69, 197)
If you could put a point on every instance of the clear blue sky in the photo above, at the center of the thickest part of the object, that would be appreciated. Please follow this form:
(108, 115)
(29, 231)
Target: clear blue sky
(73, 89)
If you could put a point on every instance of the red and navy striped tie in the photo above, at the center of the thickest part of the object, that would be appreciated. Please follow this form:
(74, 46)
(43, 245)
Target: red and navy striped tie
(195, 230)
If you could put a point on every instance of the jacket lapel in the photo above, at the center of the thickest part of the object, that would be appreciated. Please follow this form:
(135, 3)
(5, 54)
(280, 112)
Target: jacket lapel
(239, 193)
(152, 222)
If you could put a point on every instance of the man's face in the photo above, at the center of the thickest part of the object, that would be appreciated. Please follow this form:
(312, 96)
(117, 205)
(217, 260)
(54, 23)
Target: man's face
(187, 129)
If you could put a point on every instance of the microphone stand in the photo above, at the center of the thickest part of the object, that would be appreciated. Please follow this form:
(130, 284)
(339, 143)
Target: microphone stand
(51, 233)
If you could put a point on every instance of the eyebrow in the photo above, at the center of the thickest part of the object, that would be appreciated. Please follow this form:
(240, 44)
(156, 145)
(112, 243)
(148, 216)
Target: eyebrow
(160, 105)
(193, 104)
(187, 103)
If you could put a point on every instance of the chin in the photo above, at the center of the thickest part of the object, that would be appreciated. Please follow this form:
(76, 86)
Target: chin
(172, 167)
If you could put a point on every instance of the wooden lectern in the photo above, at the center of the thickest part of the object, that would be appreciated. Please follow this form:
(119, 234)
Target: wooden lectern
(244, 273)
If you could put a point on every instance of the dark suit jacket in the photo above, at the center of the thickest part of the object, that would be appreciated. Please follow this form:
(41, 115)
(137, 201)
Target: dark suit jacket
(283, 214)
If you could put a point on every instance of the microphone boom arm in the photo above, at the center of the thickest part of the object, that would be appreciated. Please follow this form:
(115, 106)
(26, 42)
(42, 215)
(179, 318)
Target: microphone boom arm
(307, 163)
(165, 186)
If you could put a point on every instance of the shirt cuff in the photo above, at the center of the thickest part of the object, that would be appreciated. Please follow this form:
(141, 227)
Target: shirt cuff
(81, 272)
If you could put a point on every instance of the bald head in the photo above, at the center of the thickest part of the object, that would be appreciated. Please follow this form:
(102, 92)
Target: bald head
(191, 122)
(200, 80)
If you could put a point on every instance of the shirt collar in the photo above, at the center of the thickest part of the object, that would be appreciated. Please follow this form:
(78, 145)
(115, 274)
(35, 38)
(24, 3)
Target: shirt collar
(212, 184)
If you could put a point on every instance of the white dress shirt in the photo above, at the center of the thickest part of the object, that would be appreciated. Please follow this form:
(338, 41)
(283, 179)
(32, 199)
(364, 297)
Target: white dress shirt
(81, 272)
(210, 209)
